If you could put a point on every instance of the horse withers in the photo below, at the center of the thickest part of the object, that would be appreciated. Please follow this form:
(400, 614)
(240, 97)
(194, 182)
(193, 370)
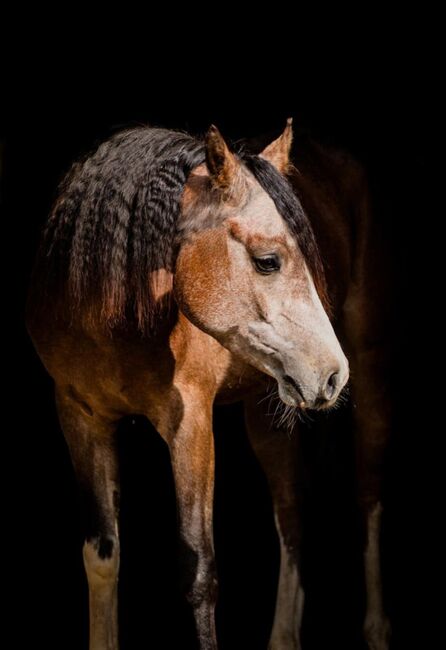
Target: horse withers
(174, 273)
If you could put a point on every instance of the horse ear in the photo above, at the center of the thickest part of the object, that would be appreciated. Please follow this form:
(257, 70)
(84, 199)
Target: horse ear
(278, 152)
(222, 164)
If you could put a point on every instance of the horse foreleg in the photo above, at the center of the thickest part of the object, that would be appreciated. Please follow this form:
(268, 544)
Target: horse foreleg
(376, 624)
(377, 628)
(92, 448)
(372, 435)
(278, 455)
(191, 447)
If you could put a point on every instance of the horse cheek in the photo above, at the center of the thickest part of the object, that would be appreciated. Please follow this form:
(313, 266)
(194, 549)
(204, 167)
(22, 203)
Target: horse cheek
(202, 282)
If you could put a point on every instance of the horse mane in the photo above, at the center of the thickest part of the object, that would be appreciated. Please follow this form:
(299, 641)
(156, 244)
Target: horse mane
(115, 222)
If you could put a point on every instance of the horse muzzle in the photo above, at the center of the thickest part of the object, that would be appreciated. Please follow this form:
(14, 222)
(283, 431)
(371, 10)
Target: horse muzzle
(319, 395)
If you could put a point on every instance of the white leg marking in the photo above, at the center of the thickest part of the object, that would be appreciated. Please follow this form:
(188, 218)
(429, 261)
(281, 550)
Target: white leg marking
(376, 625)
(102, 575)
(289, 602)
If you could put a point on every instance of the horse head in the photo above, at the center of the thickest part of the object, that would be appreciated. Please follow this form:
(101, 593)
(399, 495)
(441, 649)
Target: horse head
(244, 277)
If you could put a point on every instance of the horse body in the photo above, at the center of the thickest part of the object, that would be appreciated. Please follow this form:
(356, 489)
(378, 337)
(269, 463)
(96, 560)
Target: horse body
(226, 332)
(334, 191)
(131, 374)
(350, 242)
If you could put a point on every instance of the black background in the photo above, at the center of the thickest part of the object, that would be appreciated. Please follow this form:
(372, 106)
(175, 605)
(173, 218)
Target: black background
(380, 108)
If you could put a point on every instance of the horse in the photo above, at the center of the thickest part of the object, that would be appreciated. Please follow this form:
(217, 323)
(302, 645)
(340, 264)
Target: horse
(174, 273)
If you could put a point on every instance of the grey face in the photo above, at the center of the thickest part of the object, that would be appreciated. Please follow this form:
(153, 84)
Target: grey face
(284, 330)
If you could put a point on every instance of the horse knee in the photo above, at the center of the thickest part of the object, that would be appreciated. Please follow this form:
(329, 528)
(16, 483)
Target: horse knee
(101, 560)
(202, 584)
(204, 589)
(198, 574)
(288, 526)
(377, 631)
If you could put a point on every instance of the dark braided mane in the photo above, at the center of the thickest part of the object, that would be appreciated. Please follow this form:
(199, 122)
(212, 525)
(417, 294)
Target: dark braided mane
(115, 222)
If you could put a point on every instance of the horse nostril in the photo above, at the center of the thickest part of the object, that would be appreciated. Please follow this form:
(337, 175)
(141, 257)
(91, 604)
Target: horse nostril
(292, 382)
(331, 385)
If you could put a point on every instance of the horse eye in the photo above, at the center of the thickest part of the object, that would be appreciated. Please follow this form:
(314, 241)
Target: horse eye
(267, 264)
